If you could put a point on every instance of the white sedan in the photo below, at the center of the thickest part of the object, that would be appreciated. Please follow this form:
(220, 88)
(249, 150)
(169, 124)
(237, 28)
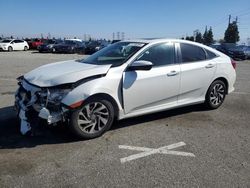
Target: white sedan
(125, 79)
(13, 44)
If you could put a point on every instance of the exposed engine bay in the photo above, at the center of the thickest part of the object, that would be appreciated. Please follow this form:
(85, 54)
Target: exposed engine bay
(35, 102)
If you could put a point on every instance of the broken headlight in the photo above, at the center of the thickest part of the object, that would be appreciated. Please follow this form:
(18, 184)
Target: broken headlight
(57, 95)
(53, 95)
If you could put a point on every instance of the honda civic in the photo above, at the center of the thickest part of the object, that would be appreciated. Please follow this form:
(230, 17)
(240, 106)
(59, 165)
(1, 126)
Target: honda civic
(126, 79)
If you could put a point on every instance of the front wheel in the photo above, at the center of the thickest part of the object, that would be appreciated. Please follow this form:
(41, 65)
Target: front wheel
(92, 119)
(10, 49)
(25, 48)
(215, 94)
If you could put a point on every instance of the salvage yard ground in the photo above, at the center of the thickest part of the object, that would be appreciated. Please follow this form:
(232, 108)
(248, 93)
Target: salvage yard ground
(138, 152)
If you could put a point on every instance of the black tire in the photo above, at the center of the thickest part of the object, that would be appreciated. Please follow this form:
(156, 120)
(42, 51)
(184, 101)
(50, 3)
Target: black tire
(25, 48)
(10, 49)
(216, 94)
(80, 131)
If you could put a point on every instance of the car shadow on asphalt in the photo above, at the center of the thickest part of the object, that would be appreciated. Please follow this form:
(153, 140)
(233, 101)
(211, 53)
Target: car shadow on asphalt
(11, 138)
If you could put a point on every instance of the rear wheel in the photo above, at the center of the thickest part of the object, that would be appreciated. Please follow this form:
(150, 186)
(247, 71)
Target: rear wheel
(10, 49)
(215, 94)
(92, 119)
(25, 48)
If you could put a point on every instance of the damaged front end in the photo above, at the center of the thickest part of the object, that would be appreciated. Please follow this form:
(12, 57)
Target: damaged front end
(33, 102)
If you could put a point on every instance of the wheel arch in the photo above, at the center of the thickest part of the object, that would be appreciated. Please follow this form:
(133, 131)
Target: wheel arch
(223, 79)
(107, 97)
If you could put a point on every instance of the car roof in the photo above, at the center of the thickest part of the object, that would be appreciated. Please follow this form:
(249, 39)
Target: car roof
(155, 41)
(162, 40)
(79, 40)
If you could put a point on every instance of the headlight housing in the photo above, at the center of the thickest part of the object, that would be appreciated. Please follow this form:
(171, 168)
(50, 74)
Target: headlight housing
(56, 95)
(53, 95)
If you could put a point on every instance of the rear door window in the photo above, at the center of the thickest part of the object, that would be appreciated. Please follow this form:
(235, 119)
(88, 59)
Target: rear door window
(192, 53)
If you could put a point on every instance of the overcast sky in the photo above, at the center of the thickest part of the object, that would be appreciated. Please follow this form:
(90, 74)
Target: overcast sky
(136, 18)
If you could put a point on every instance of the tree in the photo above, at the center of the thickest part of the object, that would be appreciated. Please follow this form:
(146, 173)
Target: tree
(205, 36)
(191, 38)
(208, 37)
(198, 37)
(232, 33)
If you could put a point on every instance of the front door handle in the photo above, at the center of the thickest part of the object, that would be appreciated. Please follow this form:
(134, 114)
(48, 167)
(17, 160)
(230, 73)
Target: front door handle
(210, 65)
(172, 73)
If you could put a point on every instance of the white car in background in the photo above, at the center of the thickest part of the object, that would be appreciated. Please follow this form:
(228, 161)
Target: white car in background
(125, 79)
(13, 44)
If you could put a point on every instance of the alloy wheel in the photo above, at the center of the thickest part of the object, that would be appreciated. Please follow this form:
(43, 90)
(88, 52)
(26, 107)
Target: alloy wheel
(217, 94)
(93, 117)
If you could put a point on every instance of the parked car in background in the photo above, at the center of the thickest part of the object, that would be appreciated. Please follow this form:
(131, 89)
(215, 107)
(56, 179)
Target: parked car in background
(70, 46)
(13, 44)
(247, 51)
(237, 52)
(48, 45)
(232, 50)
(123, 80)
(92, 47)
(34, 43)
(102, 45)
(215, 46)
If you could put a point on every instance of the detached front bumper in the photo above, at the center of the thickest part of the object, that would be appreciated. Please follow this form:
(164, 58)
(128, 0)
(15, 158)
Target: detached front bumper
(31, 105)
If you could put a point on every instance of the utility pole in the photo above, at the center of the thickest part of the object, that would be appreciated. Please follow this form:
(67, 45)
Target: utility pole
(229, 19)
(195, 33)
(123, 35)
(118, 35)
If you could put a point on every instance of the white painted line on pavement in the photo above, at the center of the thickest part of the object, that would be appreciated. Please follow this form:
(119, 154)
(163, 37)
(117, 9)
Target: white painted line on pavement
(150, 151)
(241, 93)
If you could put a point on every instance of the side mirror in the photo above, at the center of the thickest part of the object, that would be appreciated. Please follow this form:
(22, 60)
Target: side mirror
(12, 42)
(140, 65)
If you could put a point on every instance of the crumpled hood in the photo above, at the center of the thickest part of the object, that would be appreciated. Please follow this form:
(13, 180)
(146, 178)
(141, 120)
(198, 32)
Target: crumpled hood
(63, 72)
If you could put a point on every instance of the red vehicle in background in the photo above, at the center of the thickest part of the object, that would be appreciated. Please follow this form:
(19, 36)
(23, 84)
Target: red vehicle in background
(33, 44)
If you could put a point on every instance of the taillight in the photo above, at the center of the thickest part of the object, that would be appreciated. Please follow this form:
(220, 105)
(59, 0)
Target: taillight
(233, 63)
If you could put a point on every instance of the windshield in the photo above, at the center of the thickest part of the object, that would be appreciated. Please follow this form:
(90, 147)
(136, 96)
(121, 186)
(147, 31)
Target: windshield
(6, 41)
(115, 54)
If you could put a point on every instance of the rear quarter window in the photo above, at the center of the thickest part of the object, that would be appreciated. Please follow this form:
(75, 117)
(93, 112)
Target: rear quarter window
(210, 55)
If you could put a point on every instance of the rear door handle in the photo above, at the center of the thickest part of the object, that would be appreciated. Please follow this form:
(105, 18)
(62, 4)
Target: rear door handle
(210, 65)
(172, 73)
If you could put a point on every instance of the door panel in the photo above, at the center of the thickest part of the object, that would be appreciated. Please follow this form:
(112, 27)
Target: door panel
(14, 46)
(145, 89)
(195, 79)
(196, 73)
